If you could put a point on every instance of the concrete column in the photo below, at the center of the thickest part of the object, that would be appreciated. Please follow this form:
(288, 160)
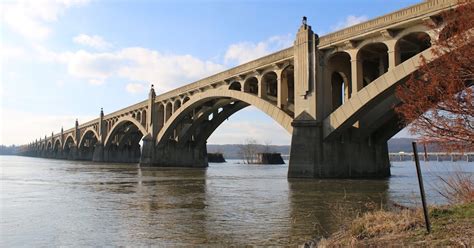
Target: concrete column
(262, 89)
(357, 71)
(346, 92)
(284, 92)
(381, 67)
(280, 99)
(393, 54)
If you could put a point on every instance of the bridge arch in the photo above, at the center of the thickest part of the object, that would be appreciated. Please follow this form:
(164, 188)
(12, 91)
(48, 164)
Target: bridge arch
(168, 111)
(120, 123)
(185, 99)
(87, 134)
(49, 145)
(251, 85)
(339, 87)
(269, 85)
(123, 142)
(233, 97)
(235, 86)
(57, 147)
(288, 89)
(160, 114)
(139, 116)
(87, 143)
(374, 59)
(143, 119)
(339, 76)
(379, 92)
(411, 44)
(69, 143)
(176, 105)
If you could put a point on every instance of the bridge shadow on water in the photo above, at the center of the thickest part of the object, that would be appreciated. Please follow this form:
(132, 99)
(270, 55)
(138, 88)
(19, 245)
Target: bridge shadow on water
(227, 203)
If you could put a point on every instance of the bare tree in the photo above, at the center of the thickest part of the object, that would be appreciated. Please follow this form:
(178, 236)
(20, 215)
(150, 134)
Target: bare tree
(268, 146)
(249, 150)
(438, 101)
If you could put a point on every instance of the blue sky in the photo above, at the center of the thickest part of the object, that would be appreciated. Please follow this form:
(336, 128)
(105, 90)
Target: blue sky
(64, 59)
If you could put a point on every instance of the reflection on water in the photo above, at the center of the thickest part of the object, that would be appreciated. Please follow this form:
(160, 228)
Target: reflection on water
(61, 203)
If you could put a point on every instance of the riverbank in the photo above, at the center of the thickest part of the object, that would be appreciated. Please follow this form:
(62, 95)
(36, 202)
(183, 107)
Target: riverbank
(452, 225)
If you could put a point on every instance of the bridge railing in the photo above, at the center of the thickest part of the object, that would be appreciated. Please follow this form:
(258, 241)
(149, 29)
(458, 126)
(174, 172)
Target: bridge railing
(386, 20)
(119, 112)
(233, 72)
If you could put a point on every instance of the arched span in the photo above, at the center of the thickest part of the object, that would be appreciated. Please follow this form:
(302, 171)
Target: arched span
(271, 110)
(58, 143)
(122, 121)
(49, 145)
(349, 112)
(88, 130)
(69, 138)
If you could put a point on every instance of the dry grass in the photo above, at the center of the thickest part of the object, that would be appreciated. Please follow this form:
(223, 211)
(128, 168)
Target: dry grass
(458, 188)
(452, 225)
(382, 222)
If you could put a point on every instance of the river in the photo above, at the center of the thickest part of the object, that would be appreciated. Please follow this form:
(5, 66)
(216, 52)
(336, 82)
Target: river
(47, 202)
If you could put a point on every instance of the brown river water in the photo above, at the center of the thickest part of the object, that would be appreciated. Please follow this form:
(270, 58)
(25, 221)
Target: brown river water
(46, 202)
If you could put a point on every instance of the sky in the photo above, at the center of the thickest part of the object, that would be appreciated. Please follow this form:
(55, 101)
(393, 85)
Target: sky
(65, 59)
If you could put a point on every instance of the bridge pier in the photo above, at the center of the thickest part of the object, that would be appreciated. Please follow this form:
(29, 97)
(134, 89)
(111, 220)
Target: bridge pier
(73, 153)
(59, 155)
(98, 155)
(305, 153)
(85, 154)
(311, 157)
(123, 154)
(174, 154)
(148, 149)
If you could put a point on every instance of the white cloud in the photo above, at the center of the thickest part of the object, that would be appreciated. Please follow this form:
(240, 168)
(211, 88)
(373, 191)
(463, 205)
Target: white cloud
(135, 88)
(246, 51)
(96, 67)
(94, 41)
(145, 66)
(10, 52)
(165, 71)
(350, 20)
(30, 18)
(38, 125)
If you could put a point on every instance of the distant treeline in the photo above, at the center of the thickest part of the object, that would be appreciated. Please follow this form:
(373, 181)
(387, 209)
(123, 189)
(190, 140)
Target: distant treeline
(8, 150)
(232, 151)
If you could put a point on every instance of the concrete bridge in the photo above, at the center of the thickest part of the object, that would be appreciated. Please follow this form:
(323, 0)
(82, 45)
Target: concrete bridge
(334, 94)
